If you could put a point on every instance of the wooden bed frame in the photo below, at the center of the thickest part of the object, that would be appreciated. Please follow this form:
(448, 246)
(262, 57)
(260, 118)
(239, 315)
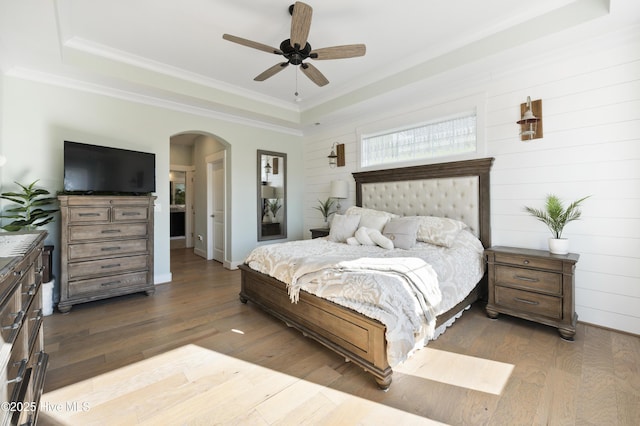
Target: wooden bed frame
(358, 338)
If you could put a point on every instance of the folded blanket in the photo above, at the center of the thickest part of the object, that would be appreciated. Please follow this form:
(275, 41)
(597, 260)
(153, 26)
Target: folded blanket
(418, 278)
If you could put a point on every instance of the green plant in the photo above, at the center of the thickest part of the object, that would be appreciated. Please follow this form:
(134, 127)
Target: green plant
(30, 213)
(554, 215)
(274, 205)
(325, 208)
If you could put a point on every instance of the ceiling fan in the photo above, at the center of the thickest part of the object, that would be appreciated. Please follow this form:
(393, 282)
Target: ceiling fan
(296, 49)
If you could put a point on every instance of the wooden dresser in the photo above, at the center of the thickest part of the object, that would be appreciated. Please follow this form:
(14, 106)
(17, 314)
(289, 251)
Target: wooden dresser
(533, 284)
(106, 247)
(22, 355)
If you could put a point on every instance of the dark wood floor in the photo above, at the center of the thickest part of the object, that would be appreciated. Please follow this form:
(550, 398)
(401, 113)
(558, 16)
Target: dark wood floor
(594, 380)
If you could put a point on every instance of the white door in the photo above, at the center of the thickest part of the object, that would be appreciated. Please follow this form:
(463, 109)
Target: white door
(216, 210)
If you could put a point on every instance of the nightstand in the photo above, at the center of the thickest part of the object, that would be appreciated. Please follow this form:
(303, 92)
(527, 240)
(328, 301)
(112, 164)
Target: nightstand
(319, 232)
(533, 284)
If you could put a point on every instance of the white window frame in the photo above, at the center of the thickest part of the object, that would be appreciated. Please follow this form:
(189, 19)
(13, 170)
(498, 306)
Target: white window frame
(425, 116)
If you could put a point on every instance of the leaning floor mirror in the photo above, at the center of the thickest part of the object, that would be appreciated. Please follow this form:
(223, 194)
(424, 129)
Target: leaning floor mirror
(272, 195)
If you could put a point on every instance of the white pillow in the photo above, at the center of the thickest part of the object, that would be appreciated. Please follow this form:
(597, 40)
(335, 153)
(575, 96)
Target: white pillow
(371, 221)
(343, 227)
(363, 211)
(440, 231)
(362, 235)
(370, 237)
(377, 237)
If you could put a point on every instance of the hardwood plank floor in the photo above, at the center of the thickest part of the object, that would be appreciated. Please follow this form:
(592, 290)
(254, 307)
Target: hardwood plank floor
(193, 354)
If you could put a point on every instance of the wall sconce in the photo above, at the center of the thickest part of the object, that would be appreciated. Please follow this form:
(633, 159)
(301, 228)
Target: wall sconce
(339, 191)
(336, 158)
(531, 122)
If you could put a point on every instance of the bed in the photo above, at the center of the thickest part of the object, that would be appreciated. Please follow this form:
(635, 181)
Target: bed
(456, 190)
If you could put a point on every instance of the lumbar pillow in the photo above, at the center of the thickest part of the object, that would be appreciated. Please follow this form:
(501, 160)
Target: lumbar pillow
(343, 227)
(402, 232)
(362, 235)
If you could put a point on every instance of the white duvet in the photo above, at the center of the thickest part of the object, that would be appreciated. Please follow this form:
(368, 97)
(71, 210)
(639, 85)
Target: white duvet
(403, 289)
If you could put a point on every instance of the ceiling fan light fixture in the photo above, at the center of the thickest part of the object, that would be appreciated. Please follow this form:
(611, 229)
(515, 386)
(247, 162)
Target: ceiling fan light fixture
(301, 14)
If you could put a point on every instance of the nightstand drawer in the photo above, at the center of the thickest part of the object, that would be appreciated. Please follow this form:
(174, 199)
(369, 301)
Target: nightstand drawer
(524, 301)
(545, 282)
(529, 262)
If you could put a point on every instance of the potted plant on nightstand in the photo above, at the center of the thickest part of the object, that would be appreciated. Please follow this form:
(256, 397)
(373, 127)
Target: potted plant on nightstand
(325, 209)
(555, 216)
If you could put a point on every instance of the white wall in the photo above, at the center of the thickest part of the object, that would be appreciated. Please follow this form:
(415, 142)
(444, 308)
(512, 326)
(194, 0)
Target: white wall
(38, 117)
(590, 95)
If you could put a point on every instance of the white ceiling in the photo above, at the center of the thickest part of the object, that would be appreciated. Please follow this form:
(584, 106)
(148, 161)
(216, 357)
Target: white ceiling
(174, 51)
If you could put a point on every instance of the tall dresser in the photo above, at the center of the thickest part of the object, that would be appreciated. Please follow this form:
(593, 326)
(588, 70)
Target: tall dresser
(22, 358)
(106, 247)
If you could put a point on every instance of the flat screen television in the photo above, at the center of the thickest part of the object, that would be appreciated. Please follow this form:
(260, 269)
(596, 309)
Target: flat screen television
(93, 169)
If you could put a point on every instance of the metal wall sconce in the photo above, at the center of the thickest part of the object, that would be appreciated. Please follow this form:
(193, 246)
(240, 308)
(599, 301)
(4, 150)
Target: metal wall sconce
(531, 122)
(336, 158)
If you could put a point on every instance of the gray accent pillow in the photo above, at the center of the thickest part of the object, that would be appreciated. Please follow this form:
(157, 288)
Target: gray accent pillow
(402, 232)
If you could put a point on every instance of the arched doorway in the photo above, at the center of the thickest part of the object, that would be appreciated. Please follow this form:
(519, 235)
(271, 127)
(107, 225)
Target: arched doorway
(203, 158)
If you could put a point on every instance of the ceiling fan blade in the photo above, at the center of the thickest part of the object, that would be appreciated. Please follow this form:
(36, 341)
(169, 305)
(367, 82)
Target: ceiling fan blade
(271, 71)
(314, 74)
(253, 44)
(339, 52)
(300, 24)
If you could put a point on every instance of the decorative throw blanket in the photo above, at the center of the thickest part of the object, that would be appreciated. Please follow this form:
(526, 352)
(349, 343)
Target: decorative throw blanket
(399, 292)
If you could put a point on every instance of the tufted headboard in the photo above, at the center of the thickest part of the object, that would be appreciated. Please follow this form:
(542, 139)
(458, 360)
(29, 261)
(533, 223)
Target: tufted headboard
(457, 190)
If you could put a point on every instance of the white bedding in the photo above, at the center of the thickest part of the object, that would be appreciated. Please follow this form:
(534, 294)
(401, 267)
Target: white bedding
(455, 271)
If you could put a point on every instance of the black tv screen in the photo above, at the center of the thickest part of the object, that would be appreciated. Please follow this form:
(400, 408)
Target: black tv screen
(93, 169)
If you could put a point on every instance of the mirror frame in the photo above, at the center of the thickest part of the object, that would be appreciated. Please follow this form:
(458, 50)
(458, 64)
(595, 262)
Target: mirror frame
(282, 169)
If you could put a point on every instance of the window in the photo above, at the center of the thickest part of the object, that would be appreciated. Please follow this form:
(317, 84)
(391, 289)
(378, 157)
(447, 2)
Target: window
(448, 137)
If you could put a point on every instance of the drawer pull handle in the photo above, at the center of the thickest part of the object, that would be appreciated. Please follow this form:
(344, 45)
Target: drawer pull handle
(38, 316)
(21, 371)
(111, 231)
(18, 273)
(130, 213)
(16, 322)
(32, 289)
(110, 283)
(114, 265)
(523, 278)
(526, 262)
(88, 214)
(110, 248)
(528, 302)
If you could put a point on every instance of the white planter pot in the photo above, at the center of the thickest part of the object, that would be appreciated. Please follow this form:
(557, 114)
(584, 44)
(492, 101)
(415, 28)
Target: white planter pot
(559, 245)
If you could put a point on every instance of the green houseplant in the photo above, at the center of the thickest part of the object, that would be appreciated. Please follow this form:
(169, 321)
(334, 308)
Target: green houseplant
(32, 210)
(324, 207)
(274, 206)
(556, 217)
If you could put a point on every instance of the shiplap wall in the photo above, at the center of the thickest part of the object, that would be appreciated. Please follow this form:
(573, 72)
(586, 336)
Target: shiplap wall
(591, 110)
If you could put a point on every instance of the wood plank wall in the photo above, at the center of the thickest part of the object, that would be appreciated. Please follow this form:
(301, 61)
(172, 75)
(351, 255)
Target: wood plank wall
(590, 93)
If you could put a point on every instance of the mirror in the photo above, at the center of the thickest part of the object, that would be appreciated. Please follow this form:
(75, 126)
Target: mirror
(272, 195)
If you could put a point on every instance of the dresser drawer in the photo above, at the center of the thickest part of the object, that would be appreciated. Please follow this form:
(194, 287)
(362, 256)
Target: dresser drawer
(106, 248)
(125, 214)
(530, 262)
(524, 301)
(16, 367)
(111, 231)
(545, 282)
(88, 214)
(33, 321)
(99, 285)
(107, 266)
(11, 317)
